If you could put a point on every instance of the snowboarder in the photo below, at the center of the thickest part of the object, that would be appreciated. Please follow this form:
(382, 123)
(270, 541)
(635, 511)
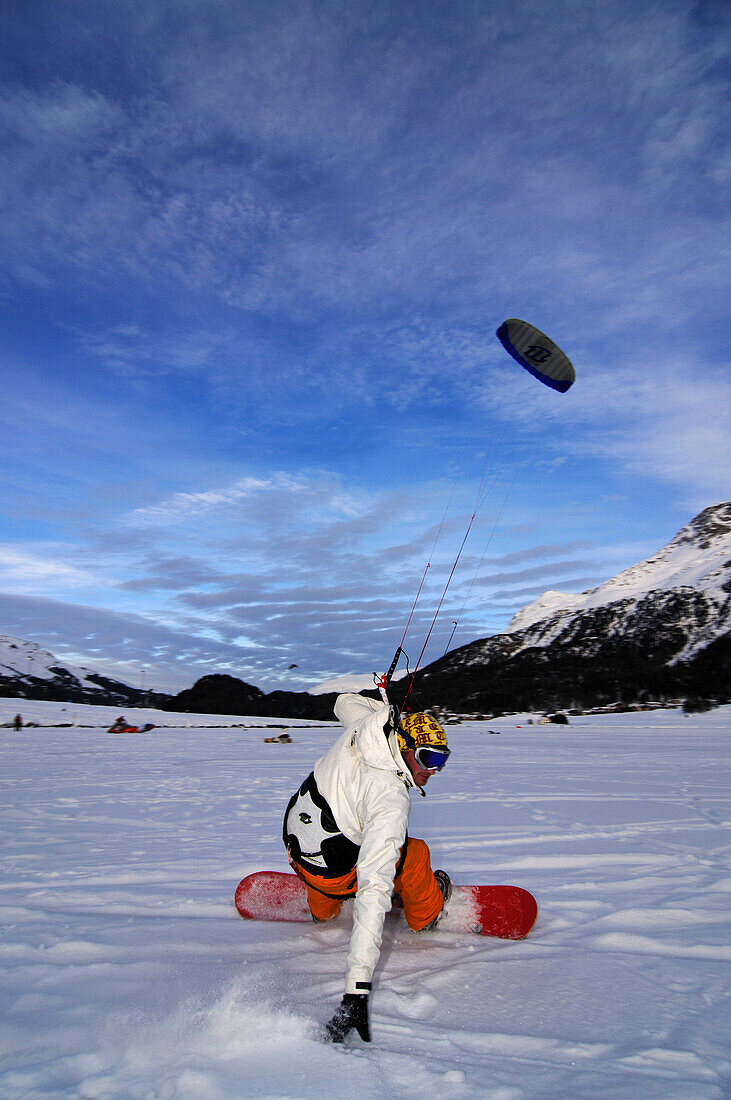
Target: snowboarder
(345, 834)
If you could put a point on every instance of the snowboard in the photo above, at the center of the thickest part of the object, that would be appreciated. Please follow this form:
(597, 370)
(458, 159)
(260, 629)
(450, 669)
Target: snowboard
(508, 912)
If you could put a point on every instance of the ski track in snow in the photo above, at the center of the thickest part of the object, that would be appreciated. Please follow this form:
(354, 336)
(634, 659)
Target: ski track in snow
(126, 972)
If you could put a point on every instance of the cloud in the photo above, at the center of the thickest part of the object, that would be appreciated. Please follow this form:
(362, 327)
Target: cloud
(247, 185)
(115, 643)
(131, 350)
(183, 506)
(23, 570)
(248, 172)
(533, 552)
(302, 568)
(664, 420)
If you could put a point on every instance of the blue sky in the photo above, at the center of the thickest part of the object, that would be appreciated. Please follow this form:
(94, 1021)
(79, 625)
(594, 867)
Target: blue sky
(253, 256)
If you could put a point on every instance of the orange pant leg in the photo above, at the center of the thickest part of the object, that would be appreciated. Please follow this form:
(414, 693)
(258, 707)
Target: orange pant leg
(417, 886)
(325, 907)
(415, 883)
(322, 908)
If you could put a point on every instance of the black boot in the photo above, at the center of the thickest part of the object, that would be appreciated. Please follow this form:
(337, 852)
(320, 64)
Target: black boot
(444, 883)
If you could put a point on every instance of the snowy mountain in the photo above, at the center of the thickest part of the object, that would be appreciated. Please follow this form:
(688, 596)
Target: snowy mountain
(660, 629)
(27, 671)
(698, 558)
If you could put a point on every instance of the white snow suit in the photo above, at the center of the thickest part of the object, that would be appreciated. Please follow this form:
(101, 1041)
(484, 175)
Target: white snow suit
(353, 811)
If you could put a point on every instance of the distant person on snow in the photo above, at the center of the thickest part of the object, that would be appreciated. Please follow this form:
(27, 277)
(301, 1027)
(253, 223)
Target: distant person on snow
(120, 724)
(345, 834)
(18, 722)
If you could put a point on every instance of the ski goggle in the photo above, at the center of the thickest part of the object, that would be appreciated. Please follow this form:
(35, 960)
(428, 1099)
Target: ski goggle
(432, 759)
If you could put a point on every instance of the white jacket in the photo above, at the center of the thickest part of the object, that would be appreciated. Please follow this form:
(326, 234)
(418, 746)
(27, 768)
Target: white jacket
(366, 782)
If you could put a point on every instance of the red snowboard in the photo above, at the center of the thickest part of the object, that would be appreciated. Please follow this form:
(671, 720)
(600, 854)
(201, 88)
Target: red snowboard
(508, 912)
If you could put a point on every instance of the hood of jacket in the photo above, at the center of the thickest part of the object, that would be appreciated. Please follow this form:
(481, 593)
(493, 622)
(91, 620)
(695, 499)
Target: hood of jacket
(368, 725)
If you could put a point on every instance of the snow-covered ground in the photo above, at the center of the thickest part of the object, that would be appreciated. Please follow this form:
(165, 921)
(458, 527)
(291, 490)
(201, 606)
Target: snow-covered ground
(126, 972)
(43, 713)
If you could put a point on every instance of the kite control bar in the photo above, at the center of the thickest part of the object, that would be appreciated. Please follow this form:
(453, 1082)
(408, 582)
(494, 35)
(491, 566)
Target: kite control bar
(383, 681)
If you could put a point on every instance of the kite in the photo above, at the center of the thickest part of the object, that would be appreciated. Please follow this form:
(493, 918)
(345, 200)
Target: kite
(537, 353)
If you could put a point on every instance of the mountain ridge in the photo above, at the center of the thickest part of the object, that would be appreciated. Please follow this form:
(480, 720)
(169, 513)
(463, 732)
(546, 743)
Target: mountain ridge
(661, 627)
(676, 565)
(29, 672)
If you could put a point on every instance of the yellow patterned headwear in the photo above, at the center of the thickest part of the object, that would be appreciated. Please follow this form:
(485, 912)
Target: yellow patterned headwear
(420, 729)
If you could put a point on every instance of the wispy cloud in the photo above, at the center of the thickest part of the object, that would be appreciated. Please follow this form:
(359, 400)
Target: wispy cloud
(184, 506)
(23, 571)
